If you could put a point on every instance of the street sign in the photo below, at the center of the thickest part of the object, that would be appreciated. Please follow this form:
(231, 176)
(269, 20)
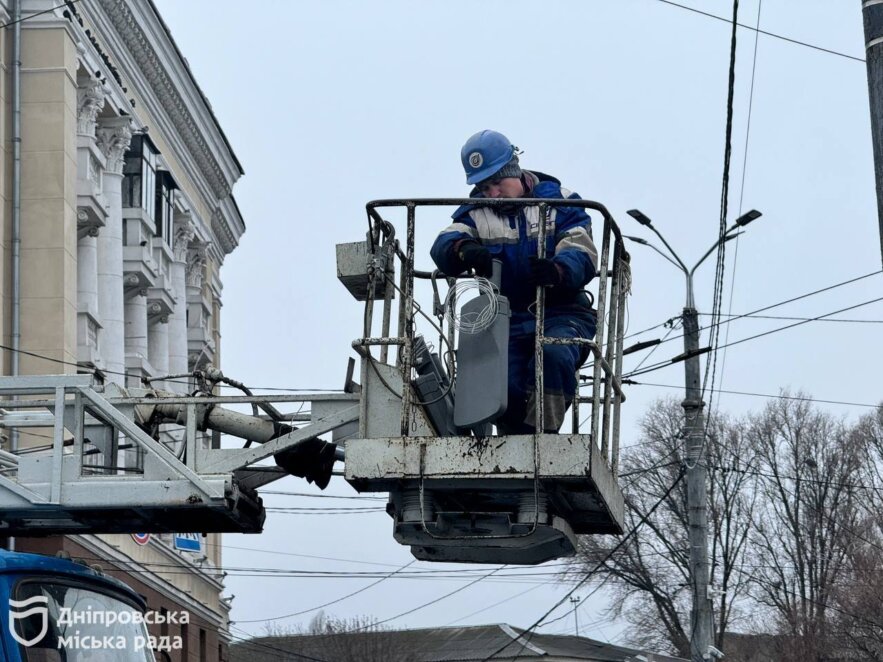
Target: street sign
(188, 542)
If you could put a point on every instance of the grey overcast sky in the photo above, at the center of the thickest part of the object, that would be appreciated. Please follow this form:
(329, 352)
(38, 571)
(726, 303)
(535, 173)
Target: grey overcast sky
(331, 104)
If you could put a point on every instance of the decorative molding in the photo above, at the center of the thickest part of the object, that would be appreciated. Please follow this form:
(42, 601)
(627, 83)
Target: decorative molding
(150, 63)
(88, 223)
(184, 234)
(196, 258)
(114, 137)
(222, 231)
(93, 171)
(90, 102)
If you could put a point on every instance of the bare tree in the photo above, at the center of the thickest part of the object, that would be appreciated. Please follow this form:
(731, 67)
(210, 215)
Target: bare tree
(807, 465)
(357, 639)
(859, 600)
(649, 575)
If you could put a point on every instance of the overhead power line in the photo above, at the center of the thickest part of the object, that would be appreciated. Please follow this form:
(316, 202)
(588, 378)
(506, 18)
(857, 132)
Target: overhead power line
(768, 395)
(764, 32)
(431, 602)
(527, 634)
(67, 3)
(741, 206)
(791, 326)
(262, 645)
(772, 305)
(804, 319)
(332, 602)
(663, 364)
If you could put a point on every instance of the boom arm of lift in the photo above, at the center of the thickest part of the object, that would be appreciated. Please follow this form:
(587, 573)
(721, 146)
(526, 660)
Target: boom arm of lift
(311, 458)
(115, 466)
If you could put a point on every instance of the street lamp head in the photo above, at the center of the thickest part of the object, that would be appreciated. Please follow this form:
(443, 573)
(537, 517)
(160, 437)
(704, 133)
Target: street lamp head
(639, 216)
(637, 240)
(732, 236)
(747, 217)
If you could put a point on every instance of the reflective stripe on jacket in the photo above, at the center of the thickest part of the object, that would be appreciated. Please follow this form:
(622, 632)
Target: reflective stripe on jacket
(511, 236)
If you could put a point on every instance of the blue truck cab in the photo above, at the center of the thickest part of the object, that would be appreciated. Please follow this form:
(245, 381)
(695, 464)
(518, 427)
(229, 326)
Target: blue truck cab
(55, 610)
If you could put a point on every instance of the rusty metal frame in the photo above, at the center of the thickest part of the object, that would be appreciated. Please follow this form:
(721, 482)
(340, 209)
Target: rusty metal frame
(605, 350)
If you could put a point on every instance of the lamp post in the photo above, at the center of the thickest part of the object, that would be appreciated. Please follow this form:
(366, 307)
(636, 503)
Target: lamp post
(574, 600)
(697, 492)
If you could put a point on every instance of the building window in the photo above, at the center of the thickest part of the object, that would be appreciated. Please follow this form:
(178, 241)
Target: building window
(164, 213)
(139, 170)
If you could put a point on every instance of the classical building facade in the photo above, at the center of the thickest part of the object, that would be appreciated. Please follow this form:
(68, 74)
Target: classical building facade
(126, 216)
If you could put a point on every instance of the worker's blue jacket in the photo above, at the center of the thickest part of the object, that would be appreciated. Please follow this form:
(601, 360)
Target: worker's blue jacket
(511, 236)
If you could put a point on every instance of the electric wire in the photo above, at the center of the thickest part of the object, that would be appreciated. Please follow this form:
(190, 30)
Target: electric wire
(431, 602)
(474, 322)
(802, 479)
(720, 266)
(66, 3)
(768, 395)
(496, 604)
(741, 201)
(654, 348)
(332, 602)
(532, 629)
(306, 556)
(323, 496)
(765, 32)
(812, 319)
(326, 513)
(582, 601)
(836, 522)
(667, 322)
(778, 304)
(250, 641)
(663, 364)
(420, 574)
(805, 319)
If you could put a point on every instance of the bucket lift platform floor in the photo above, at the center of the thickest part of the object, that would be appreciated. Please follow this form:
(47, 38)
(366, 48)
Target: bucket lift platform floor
(479, 496)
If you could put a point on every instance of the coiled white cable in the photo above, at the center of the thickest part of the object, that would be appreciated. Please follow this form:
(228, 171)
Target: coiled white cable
(473, 322)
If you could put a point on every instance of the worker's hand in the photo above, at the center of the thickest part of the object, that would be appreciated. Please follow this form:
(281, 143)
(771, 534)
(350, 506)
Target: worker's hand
(544, 272)
(475, 256)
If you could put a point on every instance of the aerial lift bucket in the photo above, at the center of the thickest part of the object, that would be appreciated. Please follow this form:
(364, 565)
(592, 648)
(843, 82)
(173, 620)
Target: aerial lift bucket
(456, 493)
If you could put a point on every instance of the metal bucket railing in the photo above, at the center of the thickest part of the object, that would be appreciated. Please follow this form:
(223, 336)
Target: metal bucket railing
(613, 283)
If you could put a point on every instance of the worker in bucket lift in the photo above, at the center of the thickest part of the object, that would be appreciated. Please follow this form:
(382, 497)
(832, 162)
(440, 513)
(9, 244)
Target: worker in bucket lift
(509, 233)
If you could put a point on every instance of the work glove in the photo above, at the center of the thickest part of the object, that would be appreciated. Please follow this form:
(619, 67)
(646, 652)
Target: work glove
(475, 256)
(543, 272)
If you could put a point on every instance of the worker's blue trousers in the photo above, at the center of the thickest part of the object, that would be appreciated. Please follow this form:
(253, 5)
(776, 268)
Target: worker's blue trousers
(560, 363)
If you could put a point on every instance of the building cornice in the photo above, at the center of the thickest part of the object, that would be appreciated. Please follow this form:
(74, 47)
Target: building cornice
(145, 38)
(149, 60)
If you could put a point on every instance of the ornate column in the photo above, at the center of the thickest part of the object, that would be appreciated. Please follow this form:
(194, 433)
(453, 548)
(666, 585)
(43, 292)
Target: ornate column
(114, 136)
(177, 332)
(158, 345)
(200, 346)
(135, 314)
(90, 218)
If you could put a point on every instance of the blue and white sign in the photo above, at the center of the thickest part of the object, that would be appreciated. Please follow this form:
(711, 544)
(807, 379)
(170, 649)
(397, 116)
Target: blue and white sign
(188, 542)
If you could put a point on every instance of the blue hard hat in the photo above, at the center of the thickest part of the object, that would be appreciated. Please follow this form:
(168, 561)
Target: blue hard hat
(484, 154)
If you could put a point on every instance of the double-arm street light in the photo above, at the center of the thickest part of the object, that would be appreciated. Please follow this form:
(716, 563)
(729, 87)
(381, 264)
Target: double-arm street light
(740, 222)
(696, 476)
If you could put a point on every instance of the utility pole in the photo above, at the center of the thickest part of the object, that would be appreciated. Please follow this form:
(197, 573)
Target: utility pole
(872, 13)
(702, 613)
(575, 602)
(697, 488)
